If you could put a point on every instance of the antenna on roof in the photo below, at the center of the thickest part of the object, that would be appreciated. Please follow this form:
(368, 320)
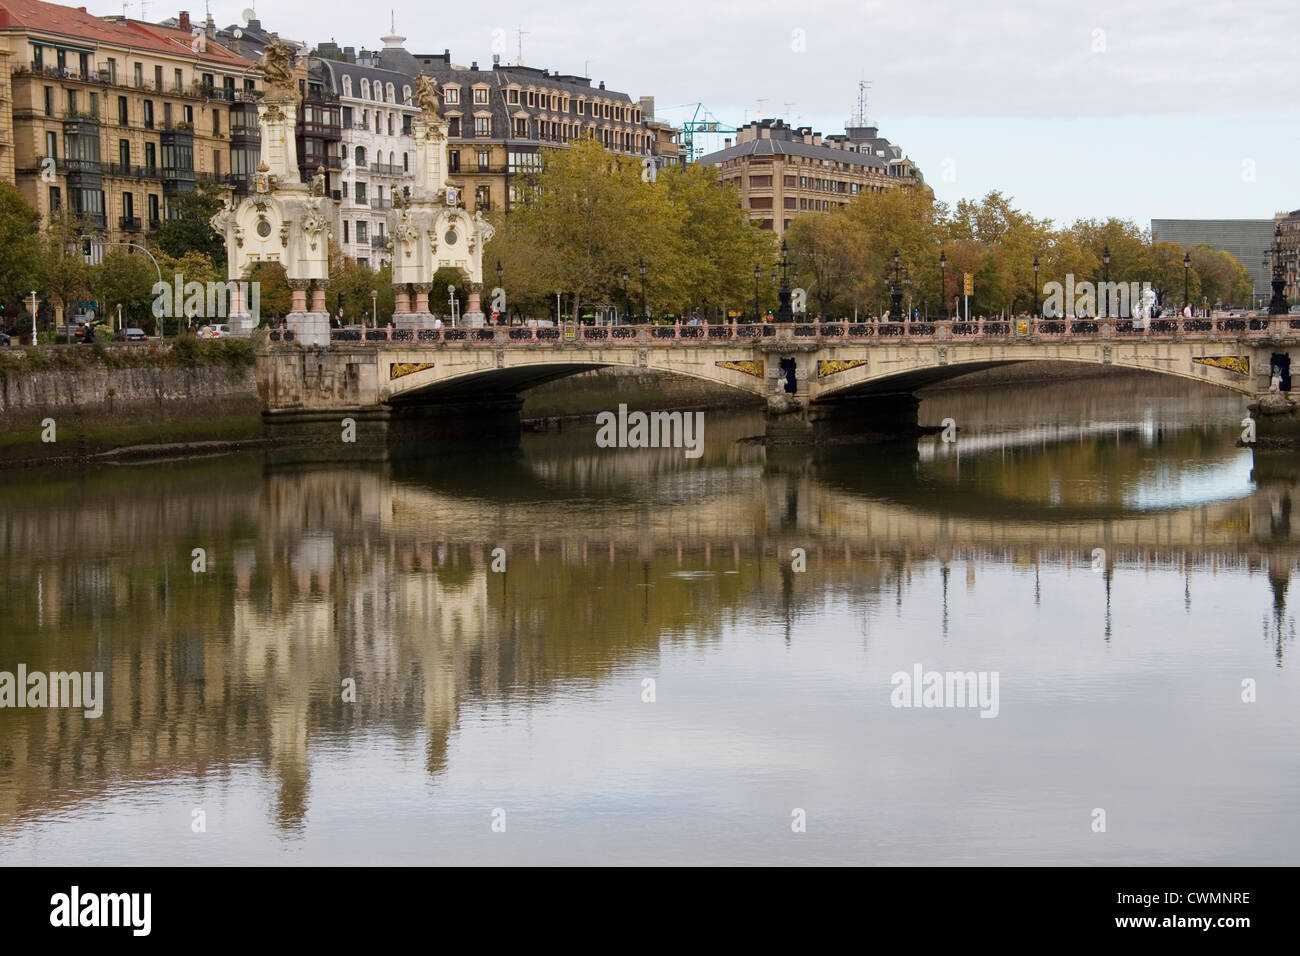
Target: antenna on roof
(860, 118)
(520, 34)
(143, 3)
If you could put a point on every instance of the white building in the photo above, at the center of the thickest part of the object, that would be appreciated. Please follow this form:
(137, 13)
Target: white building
(377, 152)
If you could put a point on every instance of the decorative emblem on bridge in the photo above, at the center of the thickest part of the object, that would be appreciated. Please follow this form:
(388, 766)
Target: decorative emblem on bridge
(827, 367)
(1232, 363)
(748, 366)
(399, 369)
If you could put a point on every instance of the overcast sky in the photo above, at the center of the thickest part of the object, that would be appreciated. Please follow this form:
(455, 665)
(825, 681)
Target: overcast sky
(1153, 109)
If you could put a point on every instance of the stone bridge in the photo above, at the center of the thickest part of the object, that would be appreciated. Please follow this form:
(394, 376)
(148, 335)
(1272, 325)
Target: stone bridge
(816, 378)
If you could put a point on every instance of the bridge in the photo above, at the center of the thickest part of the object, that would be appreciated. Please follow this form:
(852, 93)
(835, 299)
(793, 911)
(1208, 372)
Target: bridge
(817, 378)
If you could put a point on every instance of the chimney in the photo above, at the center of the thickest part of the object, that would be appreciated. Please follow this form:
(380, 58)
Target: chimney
(184, 21)
(602, 84)
(496, 60)
(647, 107)
(210, 27)
(726, 143)
(474, 65)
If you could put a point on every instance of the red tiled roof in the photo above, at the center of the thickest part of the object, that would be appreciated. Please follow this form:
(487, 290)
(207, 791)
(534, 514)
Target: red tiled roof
(76, 24)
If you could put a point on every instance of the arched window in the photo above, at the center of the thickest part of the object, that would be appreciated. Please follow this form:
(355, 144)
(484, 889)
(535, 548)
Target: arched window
(392, 96)
(361, 156)
(365, 88)
(406, 95)
(347, 86)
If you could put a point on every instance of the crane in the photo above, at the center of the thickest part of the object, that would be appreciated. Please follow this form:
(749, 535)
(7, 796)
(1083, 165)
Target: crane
(701, 121)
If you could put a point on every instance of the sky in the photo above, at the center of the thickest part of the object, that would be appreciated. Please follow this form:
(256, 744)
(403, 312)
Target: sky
(1154, 109)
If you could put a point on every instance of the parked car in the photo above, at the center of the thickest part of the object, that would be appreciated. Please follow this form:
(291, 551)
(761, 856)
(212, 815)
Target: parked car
(4, 338)
(220, 331)
(135, 335)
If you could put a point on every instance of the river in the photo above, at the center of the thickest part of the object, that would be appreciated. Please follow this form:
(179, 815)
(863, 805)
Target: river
(572, 654)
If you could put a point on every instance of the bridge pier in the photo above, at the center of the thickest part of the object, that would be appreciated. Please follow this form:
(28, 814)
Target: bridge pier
(887, 417)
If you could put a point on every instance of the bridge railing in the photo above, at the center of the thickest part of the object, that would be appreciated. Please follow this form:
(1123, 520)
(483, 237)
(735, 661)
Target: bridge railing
(976, 330)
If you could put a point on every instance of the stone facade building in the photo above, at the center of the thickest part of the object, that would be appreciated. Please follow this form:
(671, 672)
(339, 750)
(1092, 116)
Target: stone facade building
(783, 171)
(111, 117)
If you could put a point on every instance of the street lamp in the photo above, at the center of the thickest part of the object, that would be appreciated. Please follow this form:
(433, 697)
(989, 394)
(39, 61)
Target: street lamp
(33, 317)
(1187, 278)
(943, 291)
(1033, 312)
(896, 292)
(374, 306)
(640, 264)
(627, 304)
(1278, 304)
(783, 311)
(757, 273)
(1103, 299)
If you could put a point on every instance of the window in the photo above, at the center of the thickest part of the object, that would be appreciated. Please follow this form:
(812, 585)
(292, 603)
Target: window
(789, 182)
(406, 168)
(525, 162)
(56, 199)
(167, 116)
(406, 94)
(188, 112)
(347, 91)
(453, 127)
(151, 157)
(453, 161)
(451, 94)
(512, 97)
(482, 126)
(216, 122)
(157, 78)
(480, 96)
(128, 206)
(360, 156)
(364, 261)
(406, 124)
(361, 201)
(216, 163)
(139, 75)
(345, 225)
(391, 95)
(760, 182)
(483, 198)
(365, 89)
(361, 230)
(153, 209)
(49, 101)
(521, 128)
(124, 153)
(347, 116)
(764, 202)
(52, 145)
(72, 101)
(123, 117)
(148, 114)
(483, 160)
(94, 104)
(390, 124)
(177, 78)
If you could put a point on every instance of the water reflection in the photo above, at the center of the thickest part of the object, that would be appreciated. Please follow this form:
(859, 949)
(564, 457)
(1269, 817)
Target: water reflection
(524, 688)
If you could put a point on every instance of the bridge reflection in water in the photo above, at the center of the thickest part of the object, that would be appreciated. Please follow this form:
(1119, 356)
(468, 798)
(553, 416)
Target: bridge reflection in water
(224, 687)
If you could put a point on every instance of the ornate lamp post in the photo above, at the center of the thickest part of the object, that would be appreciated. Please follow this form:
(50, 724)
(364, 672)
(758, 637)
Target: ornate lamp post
(1277, 305)
(757, 273)
(1102, 298)
(1187, 278)
(1033, 312)
(943, 289)
(896, 292)
(640, 264)
(501, 320)
(627, 302)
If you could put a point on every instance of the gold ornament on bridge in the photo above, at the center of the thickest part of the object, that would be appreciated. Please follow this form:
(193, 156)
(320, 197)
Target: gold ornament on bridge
(831, 366)
(1231, 363)
(748, 366)
(399, 369)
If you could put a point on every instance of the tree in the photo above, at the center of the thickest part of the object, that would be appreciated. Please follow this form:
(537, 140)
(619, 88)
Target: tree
(61, 270)
(18, 240)
(124, 278)
(188, 230)
(827, 251)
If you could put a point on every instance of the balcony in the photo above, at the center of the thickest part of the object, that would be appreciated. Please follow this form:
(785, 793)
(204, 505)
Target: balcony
(387, 169)
(154, 225)
(378, 203)
(129, 224)
(378, 242)
(133, 172)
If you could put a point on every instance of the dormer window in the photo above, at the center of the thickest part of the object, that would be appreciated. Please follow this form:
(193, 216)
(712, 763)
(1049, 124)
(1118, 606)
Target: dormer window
(480, 96)
(450, 94)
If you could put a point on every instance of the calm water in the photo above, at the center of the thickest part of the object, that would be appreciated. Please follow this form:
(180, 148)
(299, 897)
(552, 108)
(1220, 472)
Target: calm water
(523, 692)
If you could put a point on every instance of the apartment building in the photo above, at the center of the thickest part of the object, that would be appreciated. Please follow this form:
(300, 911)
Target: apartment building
(113, 116)
(783, 171)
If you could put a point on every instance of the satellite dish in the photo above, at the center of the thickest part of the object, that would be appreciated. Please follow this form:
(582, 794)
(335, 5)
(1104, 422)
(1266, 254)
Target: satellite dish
(248, 14)
(238, 33)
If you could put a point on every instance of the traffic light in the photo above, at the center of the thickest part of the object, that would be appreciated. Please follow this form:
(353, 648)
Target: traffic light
(970, 284)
